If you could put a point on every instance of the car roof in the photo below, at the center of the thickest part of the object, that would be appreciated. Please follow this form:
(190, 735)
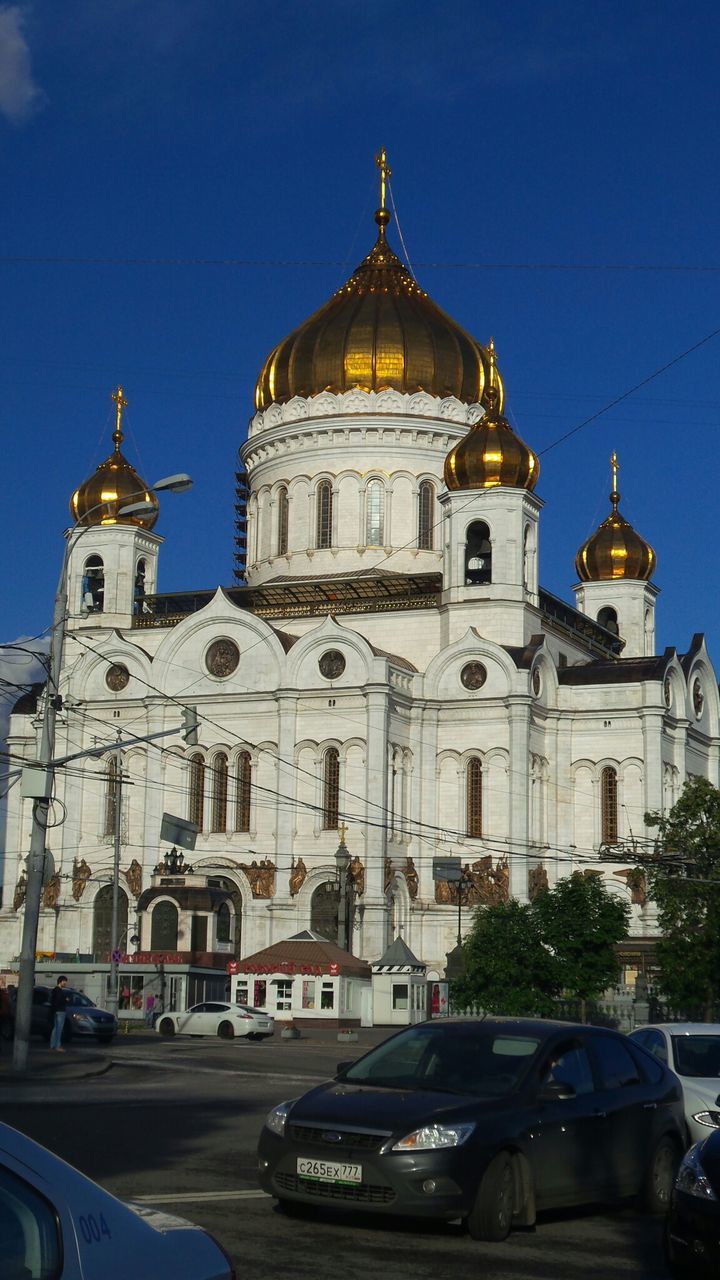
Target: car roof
(543, 1027)
(683, 1028)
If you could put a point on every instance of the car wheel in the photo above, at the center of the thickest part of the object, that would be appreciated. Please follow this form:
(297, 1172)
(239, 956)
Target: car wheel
(660, 1176)
(226, 1031)
(166, 1027)
(492, 1213)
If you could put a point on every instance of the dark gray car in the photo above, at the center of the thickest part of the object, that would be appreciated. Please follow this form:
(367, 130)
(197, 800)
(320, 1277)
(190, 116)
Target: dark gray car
(83, 1017)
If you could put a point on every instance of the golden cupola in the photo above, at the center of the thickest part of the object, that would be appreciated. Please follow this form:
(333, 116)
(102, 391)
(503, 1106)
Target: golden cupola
(491, 454)
(380, 330)
(114, 484)
(615, 550)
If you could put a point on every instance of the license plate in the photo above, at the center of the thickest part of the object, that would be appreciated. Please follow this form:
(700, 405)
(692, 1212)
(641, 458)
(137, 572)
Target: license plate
(329, 1170)
(263, 1024)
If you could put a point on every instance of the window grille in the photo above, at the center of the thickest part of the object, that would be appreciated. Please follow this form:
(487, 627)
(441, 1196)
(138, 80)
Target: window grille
(331, 796)
(609, 805)
(282, 536)
(324, 497)
(426, 507)
(375, 514)
(220, 790)
(197, 791)
(242, 798)
(474, 797)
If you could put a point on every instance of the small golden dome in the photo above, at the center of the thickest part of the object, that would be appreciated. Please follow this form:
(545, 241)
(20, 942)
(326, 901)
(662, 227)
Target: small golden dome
(615, 550)
(379, 330)
(114, 484)
(491, 454)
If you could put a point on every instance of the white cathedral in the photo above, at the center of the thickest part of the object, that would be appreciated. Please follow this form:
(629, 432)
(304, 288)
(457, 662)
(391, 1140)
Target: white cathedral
(386, 667)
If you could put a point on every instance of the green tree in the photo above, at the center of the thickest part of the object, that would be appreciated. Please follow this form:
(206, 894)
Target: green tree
(581, 922)
(508, 969)
(685, 884)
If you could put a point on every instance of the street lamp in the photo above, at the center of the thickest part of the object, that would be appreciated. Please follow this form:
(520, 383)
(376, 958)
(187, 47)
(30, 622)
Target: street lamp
(178, 483)
(342, 864)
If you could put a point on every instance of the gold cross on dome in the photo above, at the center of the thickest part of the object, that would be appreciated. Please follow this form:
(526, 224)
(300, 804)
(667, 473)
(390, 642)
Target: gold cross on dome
(385, 173)
(615, 468)
(342, 831)
(120, 404)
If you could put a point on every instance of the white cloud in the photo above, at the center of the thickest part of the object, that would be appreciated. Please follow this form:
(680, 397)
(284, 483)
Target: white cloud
(18, 92)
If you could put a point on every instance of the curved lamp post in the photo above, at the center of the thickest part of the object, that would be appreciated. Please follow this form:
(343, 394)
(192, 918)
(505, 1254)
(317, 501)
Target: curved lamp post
(178, 483)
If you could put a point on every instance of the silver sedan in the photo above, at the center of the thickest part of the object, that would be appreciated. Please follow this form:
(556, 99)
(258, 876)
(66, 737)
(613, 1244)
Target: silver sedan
(56, 1222)
(217, 1018)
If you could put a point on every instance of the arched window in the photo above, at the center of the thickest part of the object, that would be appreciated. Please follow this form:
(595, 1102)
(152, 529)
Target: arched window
(609, 805)
(242, 794)
(527, 552)
(324, 909)
(93, 585)
(473, 781)
(331, 789)
(375, 514)
(111, 796)
(102, 921)
(164, 928)
(139, 592)
(478, 555)
(282, 529)
(223, 923)
(323, 530)
(219, 792)
(426, 510)
(196, 812)
(608, 619)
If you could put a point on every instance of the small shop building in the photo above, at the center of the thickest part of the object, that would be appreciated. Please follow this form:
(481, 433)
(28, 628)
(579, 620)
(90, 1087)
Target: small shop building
(399, 987)
(304, 980)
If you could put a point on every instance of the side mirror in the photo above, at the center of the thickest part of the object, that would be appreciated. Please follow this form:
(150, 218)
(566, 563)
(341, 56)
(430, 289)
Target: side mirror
(342, 1067)
(556, 1091)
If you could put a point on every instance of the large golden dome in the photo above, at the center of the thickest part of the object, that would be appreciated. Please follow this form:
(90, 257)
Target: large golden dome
(379, 330)
(615, 550)
(491, 454)
(114, 485)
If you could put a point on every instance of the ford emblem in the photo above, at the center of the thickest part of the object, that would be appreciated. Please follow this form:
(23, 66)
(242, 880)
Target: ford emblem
(332, 1137)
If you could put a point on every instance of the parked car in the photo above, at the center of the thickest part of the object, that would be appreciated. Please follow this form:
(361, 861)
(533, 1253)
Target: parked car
(83, 1017)
(692, 1051)
(56, 1222)
(217, 1018)
(692, 1233)
(488, 1120)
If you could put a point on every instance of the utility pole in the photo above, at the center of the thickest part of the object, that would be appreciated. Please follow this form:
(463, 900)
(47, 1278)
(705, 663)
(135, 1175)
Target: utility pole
(342, 862)
(113, 1000)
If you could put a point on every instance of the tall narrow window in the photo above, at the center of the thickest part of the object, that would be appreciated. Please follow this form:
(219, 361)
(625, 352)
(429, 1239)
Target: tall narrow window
(164, 927)
(375, 514)
(426, 509)
(111, 796)
(478, 555)
(324, 498)
(93, 585)
(282, 532)
(197, 791)
(219, 793)
(474, 797)
(331, 789)
(242, 794)
(609, 805)
(102, 921)
(139, 592)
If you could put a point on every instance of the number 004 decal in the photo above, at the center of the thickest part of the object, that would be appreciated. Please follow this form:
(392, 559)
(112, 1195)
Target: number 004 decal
(93, 1229)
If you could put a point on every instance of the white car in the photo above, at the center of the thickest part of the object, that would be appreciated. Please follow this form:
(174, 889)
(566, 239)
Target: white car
(217, 1018)
(56, 1222)
(692, 1051)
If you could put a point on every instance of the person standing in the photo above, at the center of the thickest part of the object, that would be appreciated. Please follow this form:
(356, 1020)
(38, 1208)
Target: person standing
(149, 1009)
(58, 1006)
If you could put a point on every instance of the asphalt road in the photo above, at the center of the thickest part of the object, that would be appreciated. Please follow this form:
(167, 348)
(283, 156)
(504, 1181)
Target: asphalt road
(176, 1124)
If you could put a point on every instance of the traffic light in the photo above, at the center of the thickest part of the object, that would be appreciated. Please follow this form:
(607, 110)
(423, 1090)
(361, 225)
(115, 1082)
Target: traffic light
(190, 726)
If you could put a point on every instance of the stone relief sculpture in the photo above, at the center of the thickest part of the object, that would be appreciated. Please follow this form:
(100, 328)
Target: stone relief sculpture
(411, 879)
(356, 871)
(134, 877)
(298, 875)
(637, 884)
(80, 875)
(51, 892)
(262, 877)
(537, 881)
(20, 891)
(389, 874)
(483, 884)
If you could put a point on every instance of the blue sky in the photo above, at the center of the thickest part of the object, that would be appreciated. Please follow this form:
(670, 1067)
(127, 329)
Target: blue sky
(535, 150)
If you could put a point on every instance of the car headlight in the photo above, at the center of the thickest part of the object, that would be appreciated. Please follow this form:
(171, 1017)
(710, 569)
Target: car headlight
(710, 1118)
(276, 1119)
(433, 1136)
(692, 1178)
(83, 1017)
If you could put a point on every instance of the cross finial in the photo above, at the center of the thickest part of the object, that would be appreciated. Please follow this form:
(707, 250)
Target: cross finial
(120, 404)
(614, 496)
(385, 173)
(342, 831)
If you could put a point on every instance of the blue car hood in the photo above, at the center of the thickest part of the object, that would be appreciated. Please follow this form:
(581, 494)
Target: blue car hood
(386, 1110)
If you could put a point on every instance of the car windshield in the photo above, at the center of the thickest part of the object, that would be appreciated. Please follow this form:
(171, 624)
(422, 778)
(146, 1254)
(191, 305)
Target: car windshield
(697, 1055)
(77, 997)
(466, 1058)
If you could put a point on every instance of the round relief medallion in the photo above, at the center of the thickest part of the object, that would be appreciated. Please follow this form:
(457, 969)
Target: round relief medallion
(668, 693)
(698, 698)
(332, 664)
(536, 681)
(222, 658)
(473, 675)
(117, 677)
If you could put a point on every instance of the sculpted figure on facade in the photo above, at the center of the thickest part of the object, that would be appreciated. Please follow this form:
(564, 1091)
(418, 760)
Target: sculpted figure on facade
(80, 876)
(134, 877)
(389, 874)
(262, 877)
(20, 891)
(298, 876)
(51, 893)
(356, 871)
(537, 881)
(483, 884)
(636, 882)
(411, 879)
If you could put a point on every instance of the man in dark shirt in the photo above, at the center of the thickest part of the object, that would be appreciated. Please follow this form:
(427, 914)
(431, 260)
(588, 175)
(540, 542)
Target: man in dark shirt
(58, 1005)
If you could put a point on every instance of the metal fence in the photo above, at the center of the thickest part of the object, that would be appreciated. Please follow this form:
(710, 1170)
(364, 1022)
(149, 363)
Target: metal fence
(621, 1008)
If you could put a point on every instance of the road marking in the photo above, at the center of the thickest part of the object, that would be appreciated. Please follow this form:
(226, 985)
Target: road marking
(215, 1071)
(190, 1197)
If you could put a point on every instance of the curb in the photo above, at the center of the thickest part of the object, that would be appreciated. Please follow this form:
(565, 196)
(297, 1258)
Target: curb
(53, 1075)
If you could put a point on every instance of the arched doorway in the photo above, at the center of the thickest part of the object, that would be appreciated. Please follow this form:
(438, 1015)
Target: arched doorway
(102, 921)
(324, 908)
(164, 927)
